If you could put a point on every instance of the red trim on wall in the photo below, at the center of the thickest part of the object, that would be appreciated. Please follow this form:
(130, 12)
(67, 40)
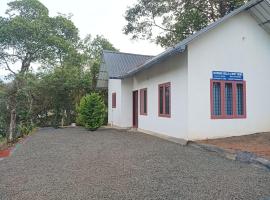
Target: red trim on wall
(164, 85)
(244, 99)
(114, 100)
(142, 101)
(223, 107)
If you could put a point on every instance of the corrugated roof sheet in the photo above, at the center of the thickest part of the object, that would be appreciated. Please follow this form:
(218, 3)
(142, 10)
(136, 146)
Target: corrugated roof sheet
(261, 12)
(118, 63)
(258, 8)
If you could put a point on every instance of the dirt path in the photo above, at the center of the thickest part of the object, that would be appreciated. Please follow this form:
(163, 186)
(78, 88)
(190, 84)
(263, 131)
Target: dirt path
(257, 143)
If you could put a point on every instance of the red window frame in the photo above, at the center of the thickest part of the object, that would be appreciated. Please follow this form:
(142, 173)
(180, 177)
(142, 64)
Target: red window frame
(163, 86)
(224, 115)
(114, 100)
(142, 98)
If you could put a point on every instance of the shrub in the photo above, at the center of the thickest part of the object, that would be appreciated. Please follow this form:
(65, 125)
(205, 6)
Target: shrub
(25, 129)
(91, 111)
(3, 116)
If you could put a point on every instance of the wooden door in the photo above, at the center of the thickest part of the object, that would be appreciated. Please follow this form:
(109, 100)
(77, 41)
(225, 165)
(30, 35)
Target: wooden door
(135, 109)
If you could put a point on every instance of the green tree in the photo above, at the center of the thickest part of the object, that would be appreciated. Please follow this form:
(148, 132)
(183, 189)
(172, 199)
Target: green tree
(3, 108)
(28, 35)
(58, 89)
(63, 87)
(174, 20)
(92, 51)
(91, 111)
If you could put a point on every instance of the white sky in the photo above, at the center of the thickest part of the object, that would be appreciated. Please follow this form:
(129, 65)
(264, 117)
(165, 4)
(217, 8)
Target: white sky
(104, 17)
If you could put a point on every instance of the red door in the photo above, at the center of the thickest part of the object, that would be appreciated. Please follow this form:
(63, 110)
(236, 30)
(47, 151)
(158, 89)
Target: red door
(135, 109)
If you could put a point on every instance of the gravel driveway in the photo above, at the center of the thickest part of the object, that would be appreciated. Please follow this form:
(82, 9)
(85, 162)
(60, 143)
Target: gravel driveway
(108, 164)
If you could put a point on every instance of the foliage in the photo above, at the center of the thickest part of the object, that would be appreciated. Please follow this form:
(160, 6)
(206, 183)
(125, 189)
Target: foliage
(57, 90)
(4, 112)
(1, 139)
(92, 52)
(91, 111)
(63, 88)
(29, 35)
(92, 48)
(174, 20)
(25, 129)
(68, 68)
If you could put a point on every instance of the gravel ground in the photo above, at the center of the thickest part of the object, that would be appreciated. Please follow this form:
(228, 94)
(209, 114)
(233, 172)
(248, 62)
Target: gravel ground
(75, 164)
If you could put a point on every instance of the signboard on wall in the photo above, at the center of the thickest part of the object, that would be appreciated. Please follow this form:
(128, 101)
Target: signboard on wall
(227, 76)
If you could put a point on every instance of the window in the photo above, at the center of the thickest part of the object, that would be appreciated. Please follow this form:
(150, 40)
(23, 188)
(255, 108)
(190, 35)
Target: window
(143, 101)
(164, 107)
(114, 100)
(228, 99)
(216, 99)
(240, 99)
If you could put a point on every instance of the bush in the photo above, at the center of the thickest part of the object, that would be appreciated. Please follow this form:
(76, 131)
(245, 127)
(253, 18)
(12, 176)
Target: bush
(3, 116)
(2, 128)
(91, 111)
(25, 129)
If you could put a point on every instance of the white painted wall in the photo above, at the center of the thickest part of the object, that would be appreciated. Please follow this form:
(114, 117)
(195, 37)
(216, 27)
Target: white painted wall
(114, 114)
(238, 45)
(127, 85)
(173, 70)
(121, 115)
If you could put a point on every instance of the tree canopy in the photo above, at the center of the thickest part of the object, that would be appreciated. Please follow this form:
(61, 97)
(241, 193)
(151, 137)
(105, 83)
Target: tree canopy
(166, 22)
(92, 49)
(68, 67)
(30, 35)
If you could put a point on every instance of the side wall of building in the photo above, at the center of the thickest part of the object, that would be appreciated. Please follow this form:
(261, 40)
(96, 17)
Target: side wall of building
(127, 87)
(237, 45)
(173, 70)
(114, 114)
(121, 115)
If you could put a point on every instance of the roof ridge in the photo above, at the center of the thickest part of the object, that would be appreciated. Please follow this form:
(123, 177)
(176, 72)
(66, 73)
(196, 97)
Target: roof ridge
(134, 54)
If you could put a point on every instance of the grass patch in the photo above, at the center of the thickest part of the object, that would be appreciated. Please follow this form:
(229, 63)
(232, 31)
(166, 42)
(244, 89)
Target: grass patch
(3, 141)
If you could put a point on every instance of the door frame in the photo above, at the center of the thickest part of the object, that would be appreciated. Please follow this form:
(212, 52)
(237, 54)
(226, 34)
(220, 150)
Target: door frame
(135, 108)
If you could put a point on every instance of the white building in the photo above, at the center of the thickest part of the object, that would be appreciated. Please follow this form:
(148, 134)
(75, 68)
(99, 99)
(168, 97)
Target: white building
(216, 83)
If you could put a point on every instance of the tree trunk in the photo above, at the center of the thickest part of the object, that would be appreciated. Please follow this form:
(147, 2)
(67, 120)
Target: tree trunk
(68, 116)
(30, 100)
(12, 105)
(12, 125)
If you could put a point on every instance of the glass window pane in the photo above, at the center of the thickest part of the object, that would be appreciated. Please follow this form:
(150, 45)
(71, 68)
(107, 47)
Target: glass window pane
(167, 100)
(145, 101)
(240, 99)
(216, 99)
(161, 99)
(229, 98)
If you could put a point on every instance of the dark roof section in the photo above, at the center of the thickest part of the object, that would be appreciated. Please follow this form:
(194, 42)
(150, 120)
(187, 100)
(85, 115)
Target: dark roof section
(252, 6)
(118, 63)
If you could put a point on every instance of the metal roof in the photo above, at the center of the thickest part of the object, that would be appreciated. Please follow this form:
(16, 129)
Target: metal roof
(259, 9)
(118, 63)
(261, 12)
(115, 64)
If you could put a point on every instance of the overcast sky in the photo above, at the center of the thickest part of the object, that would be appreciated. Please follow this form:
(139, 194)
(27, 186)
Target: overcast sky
(104, 17)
